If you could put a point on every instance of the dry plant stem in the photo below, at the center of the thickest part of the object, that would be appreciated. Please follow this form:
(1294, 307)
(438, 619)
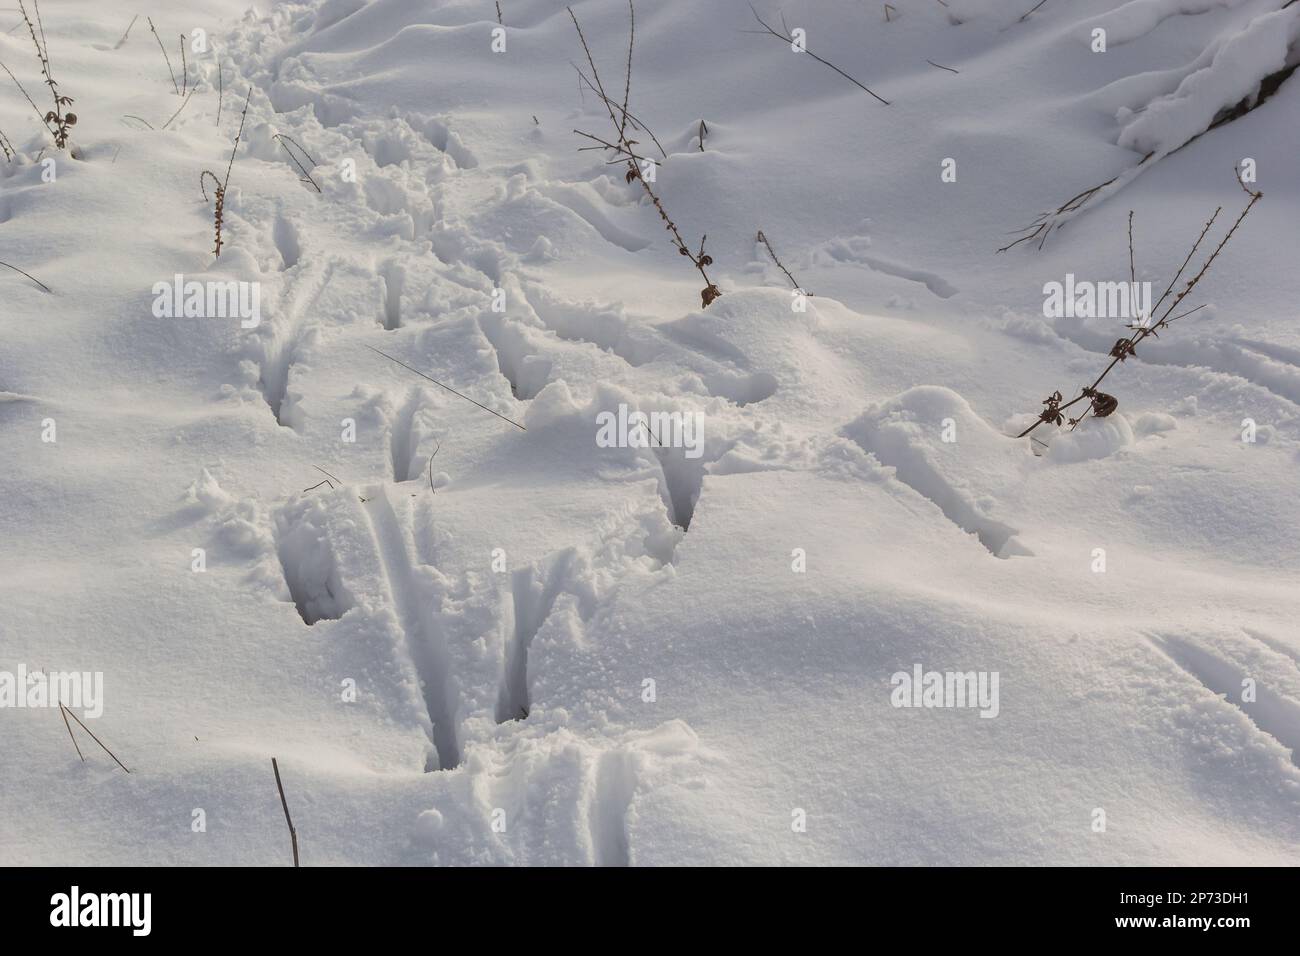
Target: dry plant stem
(185, 68)
(220, 190)
(1042, 227)
(447, 387)
(633, 120)
(221, 90)
(33, 278)
(771, 252)
(7, 146)
(787, 38)
(1035, 7)
(700, 260)
(605, 144)
(281, 138)
(119, 43)
(704, 131)
(293, 833)
(431, 458)
(1123, 348)
(1132, 271)
(499, 20)
(170, 71)
(942, 67)
(57, 121)
(178, 111)
(96, 739)
(64, 712)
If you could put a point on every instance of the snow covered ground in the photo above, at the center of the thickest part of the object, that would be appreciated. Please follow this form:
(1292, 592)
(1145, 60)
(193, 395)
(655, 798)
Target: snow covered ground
(544, 647)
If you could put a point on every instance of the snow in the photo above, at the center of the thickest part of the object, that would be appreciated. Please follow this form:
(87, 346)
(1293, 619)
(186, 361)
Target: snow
(534, 649)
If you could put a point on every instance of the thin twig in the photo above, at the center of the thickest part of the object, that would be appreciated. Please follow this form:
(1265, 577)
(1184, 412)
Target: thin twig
(699, 260)
(328, 475)
(771, 252)
(704, 131)
(1102, 404)
(786, 37)
(633, 120)
(1132, 272)
(293, 833)
(942, 67)
(140, 118)
(64, 712)
(238, 136)
(1035, 7)
(178, 112)
(431, 458)
(170, 71)
(185, 68)
(627, 84)
(281, 138)
(219, 211)
(447, 387)
(33, 278)
(1043, 226)
(96, 739)
(118, 46)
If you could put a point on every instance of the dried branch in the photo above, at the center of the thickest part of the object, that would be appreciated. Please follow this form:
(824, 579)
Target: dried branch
(58, 121)
(170, 71)
(623, 146)
(281, 138)
(1035, 7)
(70, 733)
(118, 45)
(1046, 222)
(220, 191)
(787, 38)
(771, 252)
(33, 278)
(431, 458)
(942, 67)
(1100, 404)
(447, 387)
(293, 833)
(178, 111)
(94, 738)
(633, 120)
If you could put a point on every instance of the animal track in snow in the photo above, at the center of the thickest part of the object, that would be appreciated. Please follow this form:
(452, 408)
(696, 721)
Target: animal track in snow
(533, 592)
(418, 621)
(899, 434)
(519, 362)
(393, 277)
(282, 338)
(285, 236)
(309, 563)
(1272, 712)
